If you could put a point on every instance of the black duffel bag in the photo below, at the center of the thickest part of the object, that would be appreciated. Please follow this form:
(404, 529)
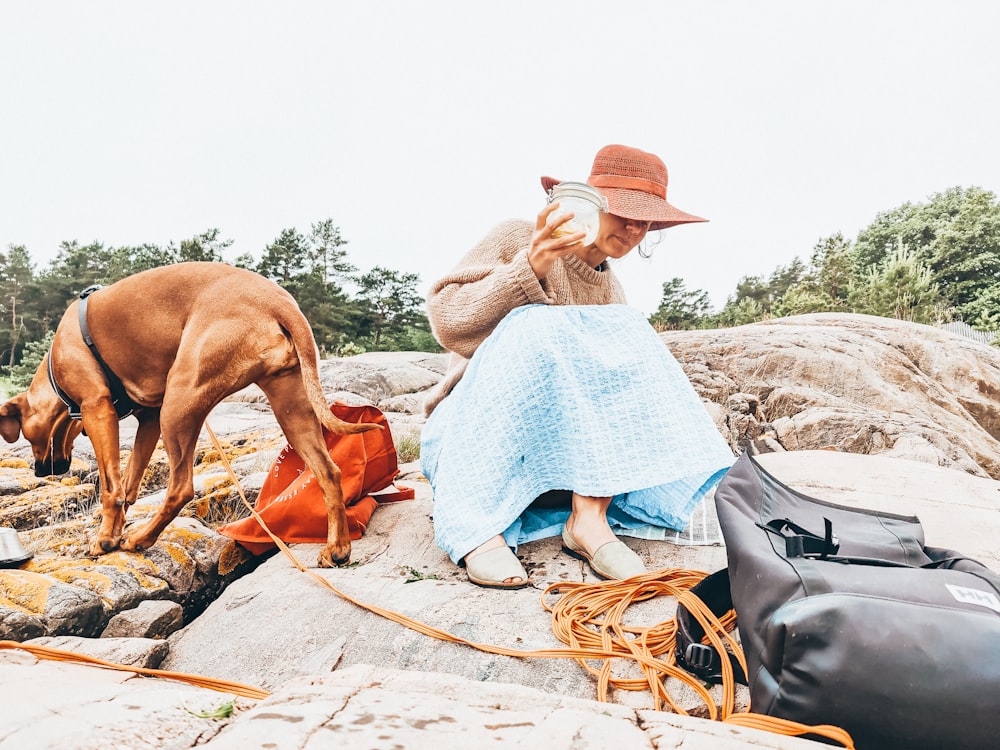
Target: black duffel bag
(847, 618)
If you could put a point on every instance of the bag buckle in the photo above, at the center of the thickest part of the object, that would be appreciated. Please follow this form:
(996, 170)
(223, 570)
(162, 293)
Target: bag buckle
(800, 542)
(702, 660)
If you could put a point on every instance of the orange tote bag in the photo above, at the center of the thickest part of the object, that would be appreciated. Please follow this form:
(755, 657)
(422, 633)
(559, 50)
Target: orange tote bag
(291, 502)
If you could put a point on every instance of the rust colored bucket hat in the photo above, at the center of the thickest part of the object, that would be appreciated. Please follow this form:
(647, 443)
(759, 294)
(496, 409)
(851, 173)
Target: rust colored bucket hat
(635, 184)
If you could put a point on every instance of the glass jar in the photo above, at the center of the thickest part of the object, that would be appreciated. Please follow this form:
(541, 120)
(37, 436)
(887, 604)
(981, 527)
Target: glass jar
(585, 203)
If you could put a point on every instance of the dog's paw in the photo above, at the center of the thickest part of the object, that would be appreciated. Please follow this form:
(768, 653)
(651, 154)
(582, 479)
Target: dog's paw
(328, 560)
(102, 545)
(132, 544)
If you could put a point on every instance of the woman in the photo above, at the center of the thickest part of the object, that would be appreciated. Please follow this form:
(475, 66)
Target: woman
(562, 411)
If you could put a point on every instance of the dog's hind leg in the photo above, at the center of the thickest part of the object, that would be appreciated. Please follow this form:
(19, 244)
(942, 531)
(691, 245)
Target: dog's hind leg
(180, 428)
(298, 421)
(142, 449)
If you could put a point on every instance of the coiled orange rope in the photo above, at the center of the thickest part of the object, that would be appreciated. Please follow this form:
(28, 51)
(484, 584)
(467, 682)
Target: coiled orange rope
(588, 618)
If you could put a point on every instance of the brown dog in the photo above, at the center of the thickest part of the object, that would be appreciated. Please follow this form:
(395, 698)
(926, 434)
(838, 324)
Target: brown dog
(180, 339)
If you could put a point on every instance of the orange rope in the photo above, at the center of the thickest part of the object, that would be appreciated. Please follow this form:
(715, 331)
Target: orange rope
(57, 654)
(588, 618)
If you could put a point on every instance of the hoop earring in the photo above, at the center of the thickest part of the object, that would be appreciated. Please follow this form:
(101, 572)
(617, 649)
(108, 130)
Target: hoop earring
(644, 251)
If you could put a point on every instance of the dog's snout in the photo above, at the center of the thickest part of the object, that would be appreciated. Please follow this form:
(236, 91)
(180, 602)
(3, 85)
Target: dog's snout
(49, 467)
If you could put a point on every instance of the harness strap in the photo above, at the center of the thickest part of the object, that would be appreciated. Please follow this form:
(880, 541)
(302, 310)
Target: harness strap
(124, 406)
(74, 408)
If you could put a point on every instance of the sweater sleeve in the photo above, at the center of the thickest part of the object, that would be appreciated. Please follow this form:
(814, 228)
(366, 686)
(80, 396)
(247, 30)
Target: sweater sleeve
(491, 280)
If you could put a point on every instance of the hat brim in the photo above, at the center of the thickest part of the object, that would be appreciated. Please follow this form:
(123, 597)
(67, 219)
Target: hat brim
(640, 206)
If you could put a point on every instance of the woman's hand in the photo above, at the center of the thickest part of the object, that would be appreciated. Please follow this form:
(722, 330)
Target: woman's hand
(546, 249)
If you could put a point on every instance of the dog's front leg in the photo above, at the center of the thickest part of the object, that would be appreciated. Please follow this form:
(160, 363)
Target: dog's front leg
(101, 425)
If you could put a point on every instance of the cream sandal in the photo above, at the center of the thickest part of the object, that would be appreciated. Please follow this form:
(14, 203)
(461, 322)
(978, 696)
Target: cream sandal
(492, 568)
(611, 561)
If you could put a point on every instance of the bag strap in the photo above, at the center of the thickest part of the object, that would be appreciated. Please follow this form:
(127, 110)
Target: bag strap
(802, 543)
(398, 494)
(691, 652)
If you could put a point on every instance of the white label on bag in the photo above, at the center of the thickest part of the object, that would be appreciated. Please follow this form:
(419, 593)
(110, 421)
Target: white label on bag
(975, 596)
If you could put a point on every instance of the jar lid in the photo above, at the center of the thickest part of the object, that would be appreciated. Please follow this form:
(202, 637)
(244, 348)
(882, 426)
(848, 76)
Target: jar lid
(578, 190)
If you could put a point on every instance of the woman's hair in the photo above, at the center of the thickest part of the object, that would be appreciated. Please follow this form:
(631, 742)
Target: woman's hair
(647, 245)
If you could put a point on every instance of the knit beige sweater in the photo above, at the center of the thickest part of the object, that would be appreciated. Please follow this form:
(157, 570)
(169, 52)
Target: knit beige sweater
(491, 280)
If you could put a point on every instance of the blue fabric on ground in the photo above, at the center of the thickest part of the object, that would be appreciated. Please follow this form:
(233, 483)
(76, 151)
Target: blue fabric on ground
(584, 398)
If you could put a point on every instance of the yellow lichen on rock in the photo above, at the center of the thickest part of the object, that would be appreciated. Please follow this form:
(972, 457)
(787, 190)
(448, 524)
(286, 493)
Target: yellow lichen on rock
(233, 555)
(157, 470)
(212, 456)
(181, 535)
(24, 590)
(70, 572)
(198, 508)
(28, 482)
(212, 484)
(254, 443)
(86, 573)
(177, 552)
(47, 504)
(138, 565)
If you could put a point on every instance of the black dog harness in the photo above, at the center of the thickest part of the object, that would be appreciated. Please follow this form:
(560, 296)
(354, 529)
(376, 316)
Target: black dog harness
(122, 403)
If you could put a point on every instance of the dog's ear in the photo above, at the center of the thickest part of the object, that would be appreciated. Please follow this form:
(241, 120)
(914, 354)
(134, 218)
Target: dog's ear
(10, 420)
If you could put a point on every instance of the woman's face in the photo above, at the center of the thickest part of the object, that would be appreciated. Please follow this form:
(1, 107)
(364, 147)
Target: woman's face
(616, 237)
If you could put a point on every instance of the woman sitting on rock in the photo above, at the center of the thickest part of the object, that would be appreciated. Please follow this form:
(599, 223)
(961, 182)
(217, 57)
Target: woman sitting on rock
(562, 410)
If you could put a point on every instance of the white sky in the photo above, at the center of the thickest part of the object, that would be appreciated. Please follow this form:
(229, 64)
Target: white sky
(416, 126)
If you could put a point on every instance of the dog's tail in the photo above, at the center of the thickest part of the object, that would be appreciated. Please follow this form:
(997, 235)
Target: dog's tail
(305, 348)
(335, 424)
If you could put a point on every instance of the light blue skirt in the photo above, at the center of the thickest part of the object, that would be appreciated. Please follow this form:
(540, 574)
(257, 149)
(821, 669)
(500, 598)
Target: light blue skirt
(581, 397)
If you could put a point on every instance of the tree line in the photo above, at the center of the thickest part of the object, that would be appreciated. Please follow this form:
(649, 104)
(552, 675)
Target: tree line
(349, 311)
(932, 262)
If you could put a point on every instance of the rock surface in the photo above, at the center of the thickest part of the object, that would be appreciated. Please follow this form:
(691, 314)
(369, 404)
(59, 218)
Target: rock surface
(71, 707)
(151, 619)
(855, 383)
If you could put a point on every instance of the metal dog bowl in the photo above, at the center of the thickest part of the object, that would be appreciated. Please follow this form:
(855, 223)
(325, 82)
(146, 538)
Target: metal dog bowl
(12, 552)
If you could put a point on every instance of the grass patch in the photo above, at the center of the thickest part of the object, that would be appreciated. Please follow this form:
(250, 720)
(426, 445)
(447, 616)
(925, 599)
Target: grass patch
(222, 711)
(407, 447)
(415, 575)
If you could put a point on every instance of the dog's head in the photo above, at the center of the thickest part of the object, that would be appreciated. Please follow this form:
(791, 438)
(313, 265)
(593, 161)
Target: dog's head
(44, 420)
